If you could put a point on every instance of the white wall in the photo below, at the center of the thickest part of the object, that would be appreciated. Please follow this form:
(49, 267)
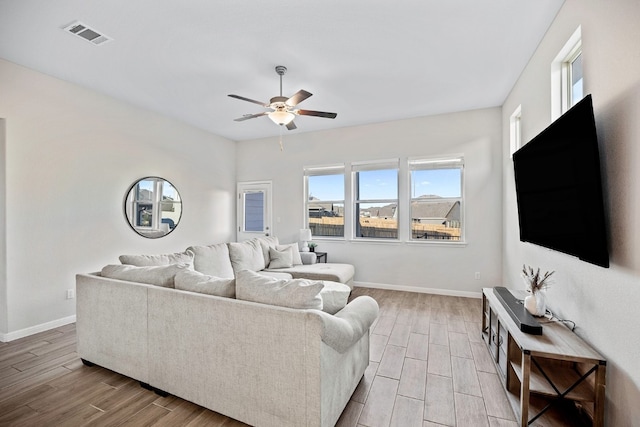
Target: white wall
(476, 134)
(3, 231)
(71, 155)
(601, 301)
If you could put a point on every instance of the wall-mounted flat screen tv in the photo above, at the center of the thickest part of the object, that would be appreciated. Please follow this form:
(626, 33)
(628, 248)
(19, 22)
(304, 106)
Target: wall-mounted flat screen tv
(559, 188)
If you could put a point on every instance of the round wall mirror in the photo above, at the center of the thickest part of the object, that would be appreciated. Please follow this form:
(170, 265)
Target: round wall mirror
(153, 207)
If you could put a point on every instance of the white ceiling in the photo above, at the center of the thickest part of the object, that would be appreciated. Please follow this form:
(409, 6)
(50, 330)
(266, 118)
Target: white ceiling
(367, 60)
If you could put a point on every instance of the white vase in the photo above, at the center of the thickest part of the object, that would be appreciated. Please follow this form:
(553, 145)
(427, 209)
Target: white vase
(536, 303)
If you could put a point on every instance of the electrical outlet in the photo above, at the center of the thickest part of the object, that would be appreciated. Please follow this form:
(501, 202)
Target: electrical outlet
(477, 275)
(70, 294)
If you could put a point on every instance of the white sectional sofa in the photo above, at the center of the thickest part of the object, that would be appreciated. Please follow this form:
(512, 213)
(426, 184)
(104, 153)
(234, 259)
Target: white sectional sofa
(224, 259)
(262, 363)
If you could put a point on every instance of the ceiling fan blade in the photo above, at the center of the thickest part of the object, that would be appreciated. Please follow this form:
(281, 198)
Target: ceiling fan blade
(316, 113)
(249, 116)
(291, 125)
(298, 97)
(242, 98)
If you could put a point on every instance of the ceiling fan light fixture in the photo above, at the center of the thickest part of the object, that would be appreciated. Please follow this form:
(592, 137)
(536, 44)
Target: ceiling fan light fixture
(281, 117)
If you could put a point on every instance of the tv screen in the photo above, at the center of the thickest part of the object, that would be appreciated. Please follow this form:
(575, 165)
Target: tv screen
(559, 189)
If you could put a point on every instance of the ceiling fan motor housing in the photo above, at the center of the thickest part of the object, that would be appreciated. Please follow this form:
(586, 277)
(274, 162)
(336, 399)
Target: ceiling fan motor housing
(278, 102)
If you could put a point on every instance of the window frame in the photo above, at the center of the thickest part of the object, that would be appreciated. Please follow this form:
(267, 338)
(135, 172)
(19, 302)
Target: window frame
(432, 163)
(367, 166)
(334, 169)
(515, 130)
(561, 88)
(403, 203)
(567, 78)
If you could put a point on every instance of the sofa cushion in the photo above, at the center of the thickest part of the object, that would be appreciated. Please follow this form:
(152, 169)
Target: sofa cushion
(189, 280)
(334, 272)
(280, 259)
(294, 293)
(212, 260)
(297, 260)
(160, 259)
(159, 275)
(246, 255)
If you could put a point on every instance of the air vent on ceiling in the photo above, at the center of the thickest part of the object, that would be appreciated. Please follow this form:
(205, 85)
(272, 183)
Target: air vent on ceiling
(86, 33)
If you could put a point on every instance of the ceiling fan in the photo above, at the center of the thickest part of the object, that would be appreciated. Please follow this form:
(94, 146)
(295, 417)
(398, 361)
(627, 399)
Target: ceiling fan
(283, 112)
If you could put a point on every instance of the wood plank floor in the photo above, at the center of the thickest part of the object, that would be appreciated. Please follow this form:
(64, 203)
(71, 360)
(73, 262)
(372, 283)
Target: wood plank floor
(429, 367)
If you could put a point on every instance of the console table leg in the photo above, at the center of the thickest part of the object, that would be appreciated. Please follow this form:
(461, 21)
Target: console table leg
(598, 404)
(524, 389)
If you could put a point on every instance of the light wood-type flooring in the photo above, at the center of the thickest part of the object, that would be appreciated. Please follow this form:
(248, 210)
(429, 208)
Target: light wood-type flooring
(429, 367)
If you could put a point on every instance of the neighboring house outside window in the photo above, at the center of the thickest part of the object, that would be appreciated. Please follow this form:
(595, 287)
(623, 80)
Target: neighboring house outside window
(375, 194)
(436, 199)
(324, 188)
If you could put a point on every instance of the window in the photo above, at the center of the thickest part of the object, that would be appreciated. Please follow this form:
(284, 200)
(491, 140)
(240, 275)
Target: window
(515, 137)
(436, 199)
(574, 68)
(376, 199)
(416, 200)
(567, 82)
(325, 200)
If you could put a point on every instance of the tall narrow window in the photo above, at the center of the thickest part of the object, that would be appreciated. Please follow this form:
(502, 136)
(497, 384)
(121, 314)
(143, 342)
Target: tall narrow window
(515, 130)
(325, 200)
(575, 78)
(436, 199)
(376, 199)
(567, 77)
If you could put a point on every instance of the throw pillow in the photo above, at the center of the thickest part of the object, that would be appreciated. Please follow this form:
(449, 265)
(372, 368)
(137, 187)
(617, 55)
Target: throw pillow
(292, 293)
(159, 275)
(189, 280)
(246, 255)
(280, 259)
(267, 242)
(161, 259)
(212, 260)
(297, 260)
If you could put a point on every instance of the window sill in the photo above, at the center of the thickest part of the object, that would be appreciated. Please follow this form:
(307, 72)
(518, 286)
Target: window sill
(364, 241)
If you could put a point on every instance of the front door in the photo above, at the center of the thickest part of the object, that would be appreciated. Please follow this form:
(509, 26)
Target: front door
(254, 210)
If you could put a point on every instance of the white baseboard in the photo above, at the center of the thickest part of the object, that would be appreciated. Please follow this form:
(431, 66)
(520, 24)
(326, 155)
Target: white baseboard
(419, 289)
(36, 329)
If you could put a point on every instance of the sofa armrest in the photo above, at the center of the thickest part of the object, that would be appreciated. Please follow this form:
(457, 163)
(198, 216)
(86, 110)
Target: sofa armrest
(346, 327)
(308, 258)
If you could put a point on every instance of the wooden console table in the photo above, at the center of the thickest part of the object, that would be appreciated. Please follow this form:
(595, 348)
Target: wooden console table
(555, 366)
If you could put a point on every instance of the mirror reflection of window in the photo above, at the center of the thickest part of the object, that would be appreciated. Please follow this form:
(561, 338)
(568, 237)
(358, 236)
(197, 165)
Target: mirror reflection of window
(153, 207)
